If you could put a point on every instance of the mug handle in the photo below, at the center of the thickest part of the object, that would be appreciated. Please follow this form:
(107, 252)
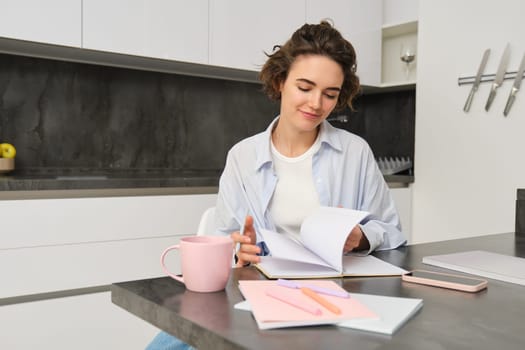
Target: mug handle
(164, 268)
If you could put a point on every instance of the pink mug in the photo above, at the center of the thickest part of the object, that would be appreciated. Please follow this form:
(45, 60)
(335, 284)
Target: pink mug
(206, 262)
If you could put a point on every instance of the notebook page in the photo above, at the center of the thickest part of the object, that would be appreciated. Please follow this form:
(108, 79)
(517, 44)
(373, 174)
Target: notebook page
(325, 232)
(283, 247)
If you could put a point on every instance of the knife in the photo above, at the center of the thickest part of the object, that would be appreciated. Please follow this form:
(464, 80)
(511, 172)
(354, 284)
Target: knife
(500, 74)
(478, 80)
(515, 87)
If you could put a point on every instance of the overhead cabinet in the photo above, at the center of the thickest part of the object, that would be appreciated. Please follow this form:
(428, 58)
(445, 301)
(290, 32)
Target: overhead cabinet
(397, 12)
(57, 22)
(399, 52)
(165, 29)
(242, 31)
(360, 22)
(232, 34)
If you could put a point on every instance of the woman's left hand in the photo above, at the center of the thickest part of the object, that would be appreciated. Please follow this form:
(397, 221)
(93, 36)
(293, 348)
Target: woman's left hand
(356, 240)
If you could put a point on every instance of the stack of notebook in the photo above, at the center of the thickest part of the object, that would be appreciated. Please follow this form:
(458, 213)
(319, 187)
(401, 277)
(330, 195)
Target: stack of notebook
(271, 306)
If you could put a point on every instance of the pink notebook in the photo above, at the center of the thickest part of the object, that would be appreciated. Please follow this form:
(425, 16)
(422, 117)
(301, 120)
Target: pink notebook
(273, 313)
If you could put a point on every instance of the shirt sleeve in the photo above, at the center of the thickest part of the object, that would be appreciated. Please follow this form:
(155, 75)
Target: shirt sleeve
(229, 201)
(232, 203)
(383, 227)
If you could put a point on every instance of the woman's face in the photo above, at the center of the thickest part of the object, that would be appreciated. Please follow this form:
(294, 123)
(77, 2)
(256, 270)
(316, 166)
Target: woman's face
(310, 92)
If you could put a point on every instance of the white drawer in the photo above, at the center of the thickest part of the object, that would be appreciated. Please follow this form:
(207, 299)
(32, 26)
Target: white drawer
(45, 269)
(42, 222)
(80, 322)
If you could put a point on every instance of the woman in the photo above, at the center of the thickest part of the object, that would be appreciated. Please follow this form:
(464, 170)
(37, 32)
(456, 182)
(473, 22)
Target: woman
(301, 162)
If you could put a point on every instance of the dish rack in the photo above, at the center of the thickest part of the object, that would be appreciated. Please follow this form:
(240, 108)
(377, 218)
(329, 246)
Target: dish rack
(393, 165)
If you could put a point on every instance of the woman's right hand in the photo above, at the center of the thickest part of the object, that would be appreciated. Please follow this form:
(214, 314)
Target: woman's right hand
(248, 250)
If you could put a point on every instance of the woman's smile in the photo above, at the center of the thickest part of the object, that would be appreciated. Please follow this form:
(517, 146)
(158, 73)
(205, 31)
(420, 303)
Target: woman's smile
(310, 115)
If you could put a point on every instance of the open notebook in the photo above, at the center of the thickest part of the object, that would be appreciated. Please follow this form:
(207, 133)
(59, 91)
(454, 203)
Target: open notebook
(353, 266)
(320, 252)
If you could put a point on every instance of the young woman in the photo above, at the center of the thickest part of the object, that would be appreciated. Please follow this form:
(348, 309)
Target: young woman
(274, 179)
(301, 162)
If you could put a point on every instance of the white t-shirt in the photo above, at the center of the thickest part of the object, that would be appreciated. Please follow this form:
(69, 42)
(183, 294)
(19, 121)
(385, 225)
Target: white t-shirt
(295, 196)
(345, 174)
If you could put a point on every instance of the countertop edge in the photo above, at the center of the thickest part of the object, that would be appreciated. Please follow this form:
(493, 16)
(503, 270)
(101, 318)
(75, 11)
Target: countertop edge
(20, 189)
(106, 192)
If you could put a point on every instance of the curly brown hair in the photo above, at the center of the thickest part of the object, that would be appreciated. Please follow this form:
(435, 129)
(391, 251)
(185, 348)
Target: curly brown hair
(312, 39)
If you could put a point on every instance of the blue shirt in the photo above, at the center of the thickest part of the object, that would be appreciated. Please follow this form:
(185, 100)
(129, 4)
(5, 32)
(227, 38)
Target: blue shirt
(345, 174)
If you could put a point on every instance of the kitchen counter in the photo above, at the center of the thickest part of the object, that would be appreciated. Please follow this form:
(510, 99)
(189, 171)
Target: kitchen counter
(82, 179)
(124, 182)
(449, 319)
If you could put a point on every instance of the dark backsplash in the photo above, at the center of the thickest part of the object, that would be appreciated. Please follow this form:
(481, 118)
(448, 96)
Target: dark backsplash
(72, 115)
(386, 121)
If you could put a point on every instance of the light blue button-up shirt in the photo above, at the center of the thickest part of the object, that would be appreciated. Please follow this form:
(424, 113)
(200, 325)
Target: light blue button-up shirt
(345, 174)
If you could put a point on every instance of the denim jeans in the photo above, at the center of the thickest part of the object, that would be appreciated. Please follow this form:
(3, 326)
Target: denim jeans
(164, 341)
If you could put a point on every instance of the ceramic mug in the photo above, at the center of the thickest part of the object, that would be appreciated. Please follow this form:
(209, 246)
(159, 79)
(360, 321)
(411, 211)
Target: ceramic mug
(206, 262)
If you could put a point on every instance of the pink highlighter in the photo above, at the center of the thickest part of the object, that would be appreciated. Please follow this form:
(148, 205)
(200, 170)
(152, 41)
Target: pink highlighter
(276, 294)
(321, 290)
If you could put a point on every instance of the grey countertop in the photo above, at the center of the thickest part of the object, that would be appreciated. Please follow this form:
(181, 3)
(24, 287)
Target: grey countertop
(86, 179)
(449, 319)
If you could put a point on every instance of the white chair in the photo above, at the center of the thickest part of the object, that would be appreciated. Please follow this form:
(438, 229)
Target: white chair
(207, 222)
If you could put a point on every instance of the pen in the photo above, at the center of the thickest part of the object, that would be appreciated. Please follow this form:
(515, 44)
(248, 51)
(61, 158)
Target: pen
(327, 291)
(290, 301)
(321, 300)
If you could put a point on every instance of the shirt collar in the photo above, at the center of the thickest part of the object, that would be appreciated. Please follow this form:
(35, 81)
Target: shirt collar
(327, 135)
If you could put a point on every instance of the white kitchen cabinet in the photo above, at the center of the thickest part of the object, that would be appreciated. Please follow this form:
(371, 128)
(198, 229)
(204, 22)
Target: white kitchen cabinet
(55, 222)
(398, 40)
(360, 23)
(400, 26)
(52, 21)
(241, 31)
(397, 12)
(82, 322)
(64, 244)
(166, 29)
(67, 247)
(82, 265)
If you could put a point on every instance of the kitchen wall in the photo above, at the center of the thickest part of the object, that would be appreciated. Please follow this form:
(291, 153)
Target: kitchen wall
(468, 165)
(386, 120)
(67, 115)
(72, 115)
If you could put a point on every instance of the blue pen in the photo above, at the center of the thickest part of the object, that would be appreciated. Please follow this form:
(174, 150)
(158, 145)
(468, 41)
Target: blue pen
(326, 291)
